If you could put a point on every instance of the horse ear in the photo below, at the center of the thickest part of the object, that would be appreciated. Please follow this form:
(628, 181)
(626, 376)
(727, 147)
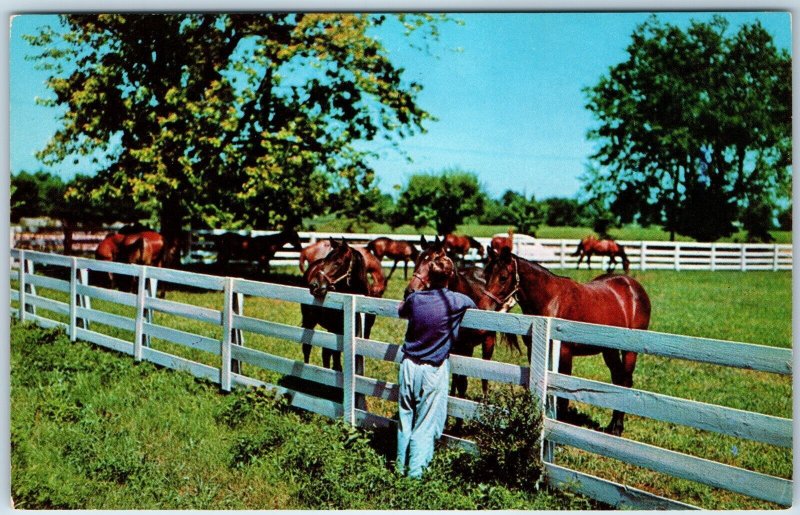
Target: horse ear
(505, 252)
(334, 243)
(344, 242)
(490, 253)
(423, 242)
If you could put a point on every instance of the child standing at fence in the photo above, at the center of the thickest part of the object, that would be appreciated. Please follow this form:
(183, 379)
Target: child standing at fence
(434, 317)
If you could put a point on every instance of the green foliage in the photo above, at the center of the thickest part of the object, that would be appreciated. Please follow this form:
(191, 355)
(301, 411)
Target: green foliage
(441, 200)
(525, 214)
(508, 433)
(221, 117)
(693, 125)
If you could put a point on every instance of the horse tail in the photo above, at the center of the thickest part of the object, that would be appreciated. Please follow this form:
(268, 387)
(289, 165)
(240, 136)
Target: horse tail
(579, 249)
(626, 263)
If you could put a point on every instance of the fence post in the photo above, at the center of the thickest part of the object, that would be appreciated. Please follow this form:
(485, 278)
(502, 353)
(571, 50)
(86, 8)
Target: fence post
(642, 254)
(677, 257)
(84, 300)
(73, 298)
(537, 381)
(227, 323)
(25, 267)
(348, 359)
(237, 338)
(775, 257)
(563, 254)
(138, 337)
(713, 257)
(743, 257)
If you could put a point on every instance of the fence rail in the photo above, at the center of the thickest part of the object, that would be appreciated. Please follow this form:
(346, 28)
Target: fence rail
(229, 352)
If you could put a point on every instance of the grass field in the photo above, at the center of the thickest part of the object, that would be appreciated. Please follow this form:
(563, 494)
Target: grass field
(751, 307)
(628, 232)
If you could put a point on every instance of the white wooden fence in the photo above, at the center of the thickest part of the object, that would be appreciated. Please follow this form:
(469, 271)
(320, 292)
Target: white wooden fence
(643, 255)
(77, 317)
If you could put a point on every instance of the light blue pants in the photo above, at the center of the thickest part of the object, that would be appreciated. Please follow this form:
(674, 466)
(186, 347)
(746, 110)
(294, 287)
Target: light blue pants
(423, 412)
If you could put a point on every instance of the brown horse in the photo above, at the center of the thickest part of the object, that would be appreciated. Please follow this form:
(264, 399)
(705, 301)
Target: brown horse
(261, 249)
(396, 250)
(616, 300)
(499, 243)
(147, 248)
(322, 248)
(343, 270)
(470, 284)
(591, 245)
(456, 245)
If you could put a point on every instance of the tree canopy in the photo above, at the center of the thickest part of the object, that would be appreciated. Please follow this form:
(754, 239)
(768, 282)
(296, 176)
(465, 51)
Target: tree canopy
(226, 119)
(694, 128)
(441, 200)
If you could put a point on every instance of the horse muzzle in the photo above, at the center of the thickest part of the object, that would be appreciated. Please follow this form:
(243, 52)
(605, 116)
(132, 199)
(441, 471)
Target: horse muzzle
(317, 289)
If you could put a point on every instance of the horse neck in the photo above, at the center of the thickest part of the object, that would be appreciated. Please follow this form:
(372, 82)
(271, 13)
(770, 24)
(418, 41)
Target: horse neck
(461, 284)
(537, 287)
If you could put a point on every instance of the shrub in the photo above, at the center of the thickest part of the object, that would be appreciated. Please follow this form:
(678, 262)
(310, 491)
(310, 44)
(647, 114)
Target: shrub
(508, 432)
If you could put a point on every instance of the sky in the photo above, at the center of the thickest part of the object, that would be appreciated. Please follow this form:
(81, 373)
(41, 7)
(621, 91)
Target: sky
(506, 90)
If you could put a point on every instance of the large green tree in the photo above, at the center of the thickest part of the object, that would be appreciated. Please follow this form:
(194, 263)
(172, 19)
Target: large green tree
(227, 119)
(694, 127)
(441, 200)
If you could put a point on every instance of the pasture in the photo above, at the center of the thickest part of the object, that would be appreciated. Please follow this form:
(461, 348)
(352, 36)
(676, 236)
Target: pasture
(753, 307)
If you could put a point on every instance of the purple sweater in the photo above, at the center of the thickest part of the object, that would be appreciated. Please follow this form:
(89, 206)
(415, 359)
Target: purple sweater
(434, 318)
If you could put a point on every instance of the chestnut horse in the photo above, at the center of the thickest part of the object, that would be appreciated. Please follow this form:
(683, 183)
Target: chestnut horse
(343, 270)
(616, 300)
(396, 250)
(471, 285)
(261, 249)
(498, 243)
(460, 245)
(137, 248)
(591, 245)
(322, 248)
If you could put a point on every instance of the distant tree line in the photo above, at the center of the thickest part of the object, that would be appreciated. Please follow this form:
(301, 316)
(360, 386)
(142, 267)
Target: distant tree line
(430, 200)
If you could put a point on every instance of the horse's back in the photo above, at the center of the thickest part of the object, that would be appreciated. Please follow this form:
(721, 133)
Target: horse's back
(632, 297)
(616, 300)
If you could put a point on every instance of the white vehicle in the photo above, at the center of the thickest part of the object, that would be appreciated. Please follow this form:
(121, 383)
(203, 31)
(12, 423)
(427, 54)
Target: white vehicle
(529, 248)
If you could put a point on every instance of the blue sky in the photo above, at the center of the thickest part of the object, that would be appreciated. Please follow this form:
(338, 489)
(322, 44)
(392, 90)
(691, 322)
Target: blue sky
(506, 89)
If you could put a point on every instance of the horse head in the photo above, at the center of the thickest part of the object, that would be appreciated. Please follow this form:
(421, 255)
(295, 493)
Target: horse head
(433, 257)
(334, 270)
(502, 280)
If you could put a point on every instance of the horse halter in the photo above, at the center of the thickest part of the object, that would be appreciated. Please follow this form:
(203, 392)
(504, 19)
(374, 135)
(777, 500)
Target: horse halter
(346, 275)
(509, 301)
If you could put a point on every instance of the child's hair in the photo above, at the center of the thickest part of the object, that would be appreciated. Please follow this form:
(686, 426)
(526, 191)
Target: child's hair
(440, 272)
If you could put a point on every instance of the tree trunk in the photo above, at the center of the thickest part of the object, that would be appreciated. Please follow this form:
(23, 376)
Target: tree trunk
(171, 220)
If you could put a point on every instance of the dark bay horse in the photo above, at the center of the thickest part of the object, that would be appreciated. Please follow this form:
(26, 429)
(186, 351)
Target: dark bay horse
(615, 300)
(456, 245)
(591, 245)
(343, 270)
(395, 250)
(322, 248)
(260, 249)
(469, 283)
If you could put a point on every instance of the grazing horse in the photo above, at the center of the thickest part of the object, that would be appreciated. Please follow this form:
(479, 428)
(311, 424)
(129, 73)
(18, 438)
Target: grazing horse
(146, 247)
(322, 248)
(591, 245)
(396, 250)
(615, 300)
(343, 270)
(470, 284)
(456, 245)
(261, 249)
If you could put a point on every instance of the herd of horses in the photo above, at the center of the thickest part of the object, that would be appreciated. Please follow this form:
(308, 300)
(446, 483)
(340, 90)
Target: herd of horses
(505, 280)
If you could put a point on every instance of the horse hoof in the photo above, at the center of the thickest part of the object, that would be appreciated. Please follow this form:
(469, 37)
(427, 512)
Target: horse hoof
(613, 430)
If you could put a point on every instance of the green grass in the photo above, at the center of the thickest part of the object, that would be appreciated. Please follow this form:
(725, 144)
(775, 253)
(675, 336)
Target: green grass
(752, 307)
(628, 232)
(91, 430)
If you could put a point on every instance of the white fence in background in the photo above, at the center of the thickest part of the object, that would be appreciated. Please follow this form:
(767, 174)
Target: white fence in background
(552, 253)
(223, 357)
(555, 253)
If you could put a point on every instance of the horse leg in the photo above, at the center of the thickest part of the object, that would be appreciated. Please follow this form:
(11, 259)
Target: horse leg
(405, 269)
(565, 368)
(621, 364)
(488, 349)
(580, 260)
(308, 324)
(392, 271)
